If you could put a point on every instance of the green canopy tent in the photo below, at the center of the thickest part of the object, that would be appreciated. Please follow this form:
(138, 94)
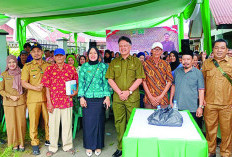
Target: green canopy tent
(3, 19)
(93, 18)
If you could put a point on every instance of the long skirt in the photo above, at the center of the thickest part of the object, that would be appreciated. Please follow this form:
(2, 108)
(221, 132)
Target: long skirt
(94, 124)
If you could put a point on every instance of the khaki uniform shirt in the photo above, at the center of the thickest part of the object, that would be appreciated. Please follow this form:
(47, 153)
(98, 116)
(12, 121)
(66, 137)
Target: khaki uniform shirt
(124, 73)
(218, 88)
(33, 73)
(6, 90)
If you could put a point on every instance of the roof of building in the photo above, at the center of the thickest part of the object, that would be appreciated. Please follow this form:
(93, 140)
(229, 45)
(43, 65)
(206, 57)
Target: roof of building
(221, 11)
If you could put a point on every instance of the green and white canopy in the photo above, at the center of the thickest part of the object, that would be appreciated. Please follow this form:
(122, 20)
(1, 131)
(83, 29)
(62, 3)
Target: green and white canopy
(94, 17)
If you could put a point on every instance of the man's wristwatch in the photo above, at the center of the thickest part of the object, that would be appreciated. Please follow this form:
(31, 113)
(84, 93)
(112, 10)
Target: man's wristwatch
(201, 106)
(130, 92)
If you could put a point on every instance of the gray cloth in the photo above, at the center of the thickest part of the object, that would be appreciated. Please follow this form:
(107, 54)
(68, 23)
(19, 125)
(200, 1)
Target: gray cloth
(186, 88)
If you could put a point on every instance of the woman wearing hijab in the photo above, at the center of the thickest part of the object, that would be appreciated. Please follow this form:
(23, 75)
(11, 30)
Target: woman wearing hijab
(94, 96)
(81, 61)
(141, 56)
(71, 60)
(146, 55)
(174, 61)
(101, 59)
(107, 57)
(117, 54)
(14, 104)
(50, 60)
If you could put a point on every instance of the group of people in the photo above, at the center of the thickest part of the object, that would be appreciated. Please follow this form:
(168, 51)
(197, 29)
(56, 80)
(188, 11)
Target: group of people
(41, 88)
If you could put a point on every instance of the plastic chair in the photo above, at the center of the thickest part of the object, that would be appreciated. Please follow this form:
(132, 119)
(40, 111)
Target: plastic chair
(27, 119)
(28, 124)
(3, 123)
(77, 115)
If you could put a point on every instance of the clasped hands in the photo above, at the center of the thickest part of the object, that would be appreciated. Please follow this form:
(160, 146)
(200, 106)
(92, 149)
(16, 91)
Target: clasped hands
(124, 95)
(106, 102)
(14, 98)
(155, 101)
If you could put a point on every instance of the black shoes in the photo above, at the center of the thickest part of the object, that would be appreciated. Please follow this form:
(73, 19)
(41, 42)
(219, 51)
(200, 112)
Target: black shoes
(2, 141)
(212, 155)
(118, 153)
(35, 150)
(47, 143)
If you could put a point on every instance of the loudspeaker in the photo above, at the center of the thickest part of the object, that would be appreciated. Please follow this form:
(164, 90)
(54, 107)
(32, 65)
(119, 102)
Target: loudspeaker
(92, 44)
(185, 46)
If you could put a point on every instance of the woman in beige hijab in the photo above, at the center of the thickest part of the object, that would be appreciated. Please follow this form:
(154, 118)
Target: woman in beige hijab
(14, 104)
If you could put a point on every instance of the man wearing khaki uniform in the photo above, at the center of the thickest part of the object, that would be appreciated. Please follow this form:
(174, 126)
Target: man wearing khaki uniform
(32, 74)
(218, 99)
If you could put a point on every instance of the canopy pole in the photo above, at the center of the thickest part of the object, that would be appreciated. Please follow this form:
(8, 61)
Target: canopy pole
(176, 19)
(181, 29)
(205, 16)
(75, 39)
(21, 32)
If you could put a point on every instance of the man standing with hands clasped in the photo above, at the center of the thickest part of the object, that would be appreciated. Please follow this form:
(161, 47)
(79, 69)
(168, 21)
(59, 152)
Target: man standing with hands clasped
(31, 77)
(124, 74)
(58, 103)
(158, 79)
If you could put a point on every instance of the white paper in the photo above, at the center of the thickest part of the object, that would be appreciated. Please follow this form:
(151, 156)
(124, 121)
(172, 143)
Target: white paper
(70, 86)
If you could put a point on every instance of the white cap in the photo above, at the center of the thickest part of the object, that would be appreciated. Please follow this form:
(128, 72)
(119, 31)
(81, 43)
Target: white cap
(157, 44)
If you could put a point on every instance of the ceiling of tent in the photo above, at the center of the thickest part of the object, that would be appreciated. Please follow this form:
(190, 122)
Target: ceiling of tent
(195, 27)
(3, 19)
(89, 15)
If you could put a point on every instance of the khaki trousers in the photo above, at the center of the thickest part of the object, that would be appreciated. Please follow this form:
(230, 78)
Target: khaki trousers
(15, 124)
(34, 110)
(65, 116)
(222, 114)
(122, 111)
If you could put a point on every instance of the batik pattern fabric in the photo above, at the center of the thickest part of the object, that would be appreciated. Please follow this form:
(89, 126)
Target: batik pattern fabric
(157, 76)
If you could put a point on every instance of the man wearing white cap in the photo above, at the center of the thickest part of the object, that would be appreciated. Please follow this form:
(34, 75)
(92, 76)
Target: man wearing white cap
(158, 79)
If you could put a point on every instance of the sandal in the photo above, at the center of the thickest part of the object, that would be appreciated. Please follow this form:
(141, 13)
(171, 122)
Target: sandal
(21, 149)
(71, 151)
(49, 153)
(15, 149)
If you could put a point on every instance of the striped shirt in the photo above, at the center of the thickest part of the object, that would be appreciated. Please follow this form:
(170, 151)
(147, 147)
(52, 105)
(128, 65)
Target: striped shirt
(157, 76)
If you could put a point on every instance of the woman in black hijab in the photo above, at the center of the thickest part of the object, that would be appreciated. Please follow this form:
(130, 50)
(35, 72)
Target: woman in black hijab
(94, 93)
(174, 61)
(107, 56)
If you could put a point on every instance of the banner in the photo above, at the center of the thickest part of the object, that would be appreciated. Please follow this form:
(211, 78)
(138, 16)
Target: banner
(142, 39)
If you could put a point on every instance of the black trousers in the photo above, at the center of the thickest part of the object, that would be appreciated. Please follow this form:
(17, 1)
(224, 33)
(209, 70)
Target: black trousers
(94, 124)
(197, 119)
